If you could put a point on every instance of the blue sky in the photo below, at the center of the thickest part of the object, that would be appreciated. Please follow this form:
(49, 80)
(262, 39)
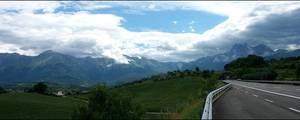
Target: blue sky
(160, 30)
(173, 21)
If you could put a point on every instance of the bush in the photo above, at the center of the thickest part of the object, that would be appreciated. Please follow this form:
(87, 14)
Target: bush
(298, 71)
(251, 61)
(2, 90)
(209, 85)
(206, 74)
(105, 104)
(40, 88)
(264, 75)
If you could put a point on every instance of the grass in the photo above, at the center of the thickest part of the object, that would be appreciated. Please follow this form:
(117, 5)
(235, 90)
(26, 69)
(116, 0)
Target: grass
(174, 98)
(286, 74)
(36, 106)
(192, 111)
(179, 97)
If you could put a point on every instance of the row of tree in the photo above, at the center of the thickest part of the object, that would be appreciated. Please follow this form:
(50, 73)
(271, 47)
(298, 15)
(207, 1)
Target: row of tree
(40, 88)
(175, 74)
(289, 67)
(251, 67)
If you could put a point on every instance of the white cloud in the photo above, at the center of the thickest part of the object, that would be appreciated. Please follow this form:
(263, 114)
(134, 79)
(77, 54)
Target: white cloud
(84, 34)
(192, 29)
(28, 6)
(98, 35)
(293, 47)
(84, 5)
(174, 22)
(192, 22)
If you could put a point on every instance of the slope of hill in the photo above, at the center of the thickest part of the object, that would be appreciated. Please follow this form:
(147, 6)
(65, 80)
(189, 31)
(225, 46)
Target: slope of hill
(55, 67)
(218, 61)
(36, 106)
(175, 95)
(287, 68)
(284, 54)
(256, 68)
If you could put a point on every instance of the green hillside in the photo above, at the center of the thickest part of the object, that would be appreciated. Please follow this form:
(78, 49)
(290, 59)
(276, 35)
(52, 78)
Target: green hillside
(257, 68)
(178, 97)
(287, 68)
(176, 94)
(36, 106)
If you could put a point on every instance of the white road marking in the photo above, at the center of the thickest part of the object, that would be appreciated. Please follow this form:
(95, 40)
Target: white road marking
(293, 109)
(268, 91)
(268, 100)
(255, 95)
(284, 89)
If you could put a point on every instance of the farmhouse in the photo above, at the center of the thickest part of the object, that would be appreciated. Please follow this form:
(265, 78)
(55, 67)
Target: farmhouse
(59, 93)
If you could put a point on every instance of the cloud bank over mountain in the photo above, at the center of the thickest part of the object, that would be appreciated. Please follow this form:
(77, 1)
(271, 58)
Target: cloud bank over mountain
(74, 28)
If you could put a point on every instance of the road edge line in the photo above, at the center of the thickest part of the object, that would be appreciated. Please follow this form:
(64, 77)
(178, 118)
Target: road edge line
(268, 91)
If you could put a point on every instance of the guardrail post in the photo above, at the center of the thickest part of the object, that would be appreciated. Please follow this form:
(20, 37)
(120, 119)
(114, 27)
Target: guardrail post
(207, 111)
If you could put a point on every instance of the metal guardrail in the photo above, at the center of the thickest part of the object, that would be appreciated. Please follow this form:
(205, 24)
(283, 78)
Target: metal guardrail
(211, 97)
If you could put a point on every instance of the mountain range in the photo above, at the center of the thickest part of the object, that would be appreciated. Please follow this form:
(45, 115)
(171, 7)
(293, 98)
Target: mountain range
(51, 66)
(218, 61)
(55, 67)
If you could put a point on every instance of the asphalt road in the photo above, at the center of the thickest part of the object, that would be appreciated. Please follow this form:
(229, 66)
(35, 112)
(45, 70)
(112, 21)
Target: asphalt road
(247, 100)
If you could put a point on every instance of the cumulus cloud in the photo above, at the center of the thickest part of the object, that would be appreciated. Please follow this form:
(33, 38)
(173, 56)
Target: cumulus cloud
(174, 22)
(82, 33)
(28, 6)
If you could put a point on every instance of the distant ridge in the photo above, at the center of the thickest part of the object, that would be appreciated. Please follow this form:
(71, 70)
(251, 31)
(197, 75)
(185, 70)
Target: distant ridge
(51, 66)
(218, 61)
(60, 68)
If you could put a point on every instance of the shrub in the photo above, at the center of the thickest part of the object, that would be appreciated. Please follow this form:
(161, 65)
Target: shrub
(40, 88)
(252, 61)
(263, 75)
(2, 90)
(105, 104)
(298, 71)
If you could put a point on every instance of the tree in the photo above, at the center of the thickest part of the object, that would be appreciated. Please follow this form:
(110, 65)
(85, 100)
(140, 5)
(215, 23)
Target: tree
(251, 61)
(206, 73)
(40, 88)
(108, 104)
(268, 74)
(298, 71)
(2, 90)
(197, 69)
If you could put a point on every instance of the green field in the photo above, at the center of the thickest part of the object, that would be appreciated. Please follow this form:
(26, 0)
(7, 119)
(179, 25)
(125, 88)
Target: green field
(36, 106)
(173, 98)
(176, 97)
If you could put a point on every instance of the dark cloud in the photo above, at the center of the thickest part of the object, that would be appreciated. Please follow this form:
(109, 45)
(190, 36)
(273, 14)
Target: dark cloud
(276, 30)
(103, 35)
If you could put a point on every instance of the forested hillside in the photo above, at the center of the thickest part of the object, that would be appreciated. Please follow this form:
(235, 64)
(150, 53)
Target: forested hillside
(257, 68)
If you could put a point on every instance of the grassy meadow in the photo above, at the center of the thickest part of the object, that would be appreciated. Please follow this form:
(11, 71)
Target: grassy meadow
(36, 106)
(172, 98)
(175, 95)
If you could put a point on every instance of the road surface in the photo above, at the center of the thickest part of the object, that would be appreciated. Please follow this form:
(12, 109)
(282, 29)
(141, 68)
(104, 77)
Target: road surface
(246, 100)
